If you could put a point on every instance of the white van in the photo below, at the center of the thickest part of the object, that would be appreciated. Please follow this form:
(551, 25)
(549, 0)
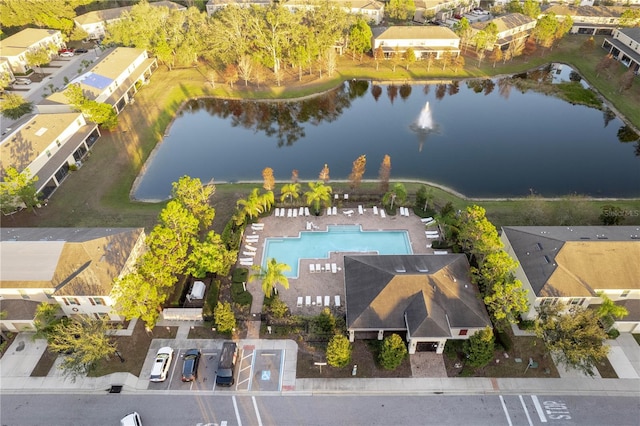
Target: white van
(132, 419)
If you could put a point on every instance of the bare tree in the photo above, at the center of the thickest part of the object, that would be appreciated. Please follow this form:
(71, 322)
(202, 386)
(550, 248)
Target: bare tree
(245, 69)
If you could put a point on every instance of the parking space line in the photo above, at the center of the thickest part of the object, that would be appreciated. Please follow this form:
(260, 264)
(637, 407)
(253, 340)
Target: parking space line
(253, 363)
(536, 403)
(526, 411)
(506, 412)
(282, 357)
(255, 407)
(235, 408)
(176, 357)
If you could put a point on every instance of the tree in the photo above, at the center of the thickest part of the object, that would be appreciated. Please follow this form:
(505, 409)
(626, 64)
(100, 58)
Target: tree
(626, 80)
(339, 351)
(514, 6)
(326, 322)
(477, 236)
(318, 195)
(269, 182)
(496, 55)
(575, 339)
(611, 215)
(45, 319)
(324, 174)
(252, 206)
(385, 173)
(84, 341)
(479, 348)
(409, 57)
(458, 63)
(19, 189)
(531, 8)
(378, 55)
(15, 106)
(530, 47)
(245, 68)
(395, 58)
(506, 299)
(357, 171)
(429, 60)
(290, 191)
(225, 319)
(230, 74)
(545, 30)
(609, 311)
(462, 28)
(195, 197)
(605, 65)
(360, 37)
(210, 256)
(424, 196)
(37, 57)
(271, 275)
(397, 193)
(99, 113)
(393, 352)
(401, 9)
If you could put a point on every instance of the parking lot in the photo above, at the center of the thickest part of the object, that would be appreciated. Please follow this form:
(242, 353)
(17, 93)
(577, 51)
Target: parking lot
(256, 370)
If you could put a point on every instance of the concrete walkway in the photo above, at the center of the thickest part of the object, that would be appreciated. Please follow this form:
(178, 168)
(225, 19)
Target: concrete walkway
(24, 353)
(624, 356)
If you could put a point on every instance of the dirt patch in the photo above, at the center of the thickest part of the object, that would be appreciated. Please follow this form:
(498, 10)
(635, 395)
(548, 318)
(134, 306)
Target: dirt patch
(43, 367)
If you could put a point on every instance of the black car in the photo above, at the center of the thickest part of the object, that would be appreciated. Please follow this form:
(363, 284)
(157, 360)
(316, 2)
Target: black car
(190, 365)
(81, 51)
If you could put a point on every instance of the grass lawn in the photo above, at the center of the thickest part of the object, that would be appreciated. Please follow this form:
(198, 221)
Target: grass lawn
(637, 337)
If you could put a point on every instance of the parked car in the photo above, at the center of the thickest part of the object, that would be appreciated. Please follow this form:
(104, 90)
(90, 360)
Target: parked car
(22, 81)
(226, 364)
(161, 364)
(61, 51)
(132, 419)
(81, 51)
(190, 365)
(66, 54)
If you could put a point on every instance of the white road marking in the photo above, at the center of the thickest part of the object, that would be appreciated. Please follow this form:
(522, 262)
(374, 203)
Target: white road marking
(506, 413)
(235, 408)
(526, 411)
(255, 407)
(536, 403)
(223, 423)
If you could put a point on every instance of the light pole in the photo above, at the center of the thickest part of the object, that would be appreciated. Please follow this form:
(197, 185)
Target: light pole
(119, 356)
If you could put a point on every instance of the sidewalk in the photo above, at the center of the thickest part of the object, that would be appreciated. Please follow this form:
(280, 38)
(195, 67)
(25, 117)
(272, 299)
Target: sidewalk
(22, 356)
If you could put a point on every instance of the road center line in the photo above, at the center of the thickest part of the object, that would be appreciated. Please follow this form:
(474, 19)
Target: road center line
(506, 413)
(255, 407)
(534, 398)
(526, 411)
(235, 408)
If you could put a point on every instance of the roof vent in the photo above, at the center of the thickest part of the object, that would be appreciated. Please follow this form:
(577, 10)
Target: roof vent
(539, 246)
(42, 131)
(546, 259)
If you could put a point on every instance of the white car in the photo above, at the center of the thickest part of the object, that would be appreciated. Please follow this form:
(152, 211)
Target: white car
(66, 54)
(22, 81)
(132, 419)
(161, 364)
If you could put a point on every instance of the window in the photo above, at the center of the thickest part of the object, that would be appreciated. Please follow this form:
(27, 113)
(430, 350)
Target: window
(97, 301)
(548, 301)
(625, 293)
(48, 153)
(100, 316)
(24, 294)
(70, 301)
(463, 332)
(576, 301)
(58, 142)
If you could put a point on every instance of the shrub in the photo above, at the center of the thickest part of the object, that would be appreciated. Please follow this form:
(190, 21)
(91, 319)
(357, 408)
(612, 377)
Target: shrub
(240, 275)
(479, 348)
(325, 322)
(212, 300)
(393, 352)
(525, 325)
(277, 307)
(339, 351)
(239, 295)
(504, 340)
(613, 333)
(225, 319)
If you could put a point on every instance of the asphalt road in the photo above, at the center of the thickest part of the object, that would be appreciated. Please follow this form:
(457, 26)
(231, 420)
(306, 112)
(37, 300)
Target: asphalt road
(198, 410)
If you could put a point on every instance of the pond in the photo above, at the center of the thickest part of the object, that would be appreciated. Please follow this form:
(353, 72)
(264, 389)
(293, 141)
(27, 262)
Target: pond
(482, 138)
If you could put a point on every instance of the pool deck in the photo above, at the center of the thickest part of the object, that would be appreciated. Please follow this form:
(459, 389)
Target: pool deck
(325, 283)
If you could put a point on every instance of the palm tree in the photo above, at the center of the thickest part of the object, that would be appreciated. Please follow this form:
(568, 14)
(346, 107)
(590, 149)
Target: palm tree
(318, 194)
(252, 206)
(398, 192)
(271, 275)
(290, 191)
(267, 199)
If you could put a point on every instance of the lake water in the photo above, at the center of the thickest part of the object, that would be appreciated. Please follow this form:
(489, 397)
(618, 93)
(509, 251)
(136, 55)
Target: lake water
(487, 139)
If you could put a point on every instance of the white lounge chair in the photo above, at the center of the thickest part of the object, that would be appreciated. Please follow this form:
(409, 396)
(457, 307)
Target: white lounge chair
(346, 196)
(407, 211)
(301, 211)
(249, 253)
(334, 211)
(295, 212)
(326, 300)
(307, 300)
(299, 304)
(257, 225)
(328, 211)
(306, 211)
(382, 213)
(360, 209)
(335, 196)
(375, 210)
(278, 212)
(318, 268)
(312, 268)
(250, 248)
(246, 259)
(433, 222)
(337, 300)
(440, 252)
(334, 268)
(318, 300)
(429, 245)
(426, 219)
(289, 213)
(327, 267)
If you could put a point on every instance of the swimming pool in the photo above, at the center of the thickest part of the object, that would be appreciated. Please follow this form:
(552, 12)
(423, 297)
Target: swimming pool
(337, 238)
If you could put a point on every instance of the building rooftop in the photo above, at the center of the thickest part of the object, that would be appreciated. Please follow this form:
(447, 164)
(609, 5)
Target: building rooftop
(106, 15)
(18, 43)
(417, 33)
(506, 22)
(20, 147)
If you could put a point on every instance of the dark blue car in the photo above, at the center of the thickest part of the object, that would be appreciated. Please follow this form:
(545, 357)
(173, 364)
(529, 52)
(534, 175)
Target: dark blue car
(190, 365)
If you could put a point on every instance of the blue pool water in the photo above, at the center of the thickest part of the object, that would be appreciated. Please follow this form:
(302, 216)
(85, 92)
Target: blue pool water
(318, 245)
